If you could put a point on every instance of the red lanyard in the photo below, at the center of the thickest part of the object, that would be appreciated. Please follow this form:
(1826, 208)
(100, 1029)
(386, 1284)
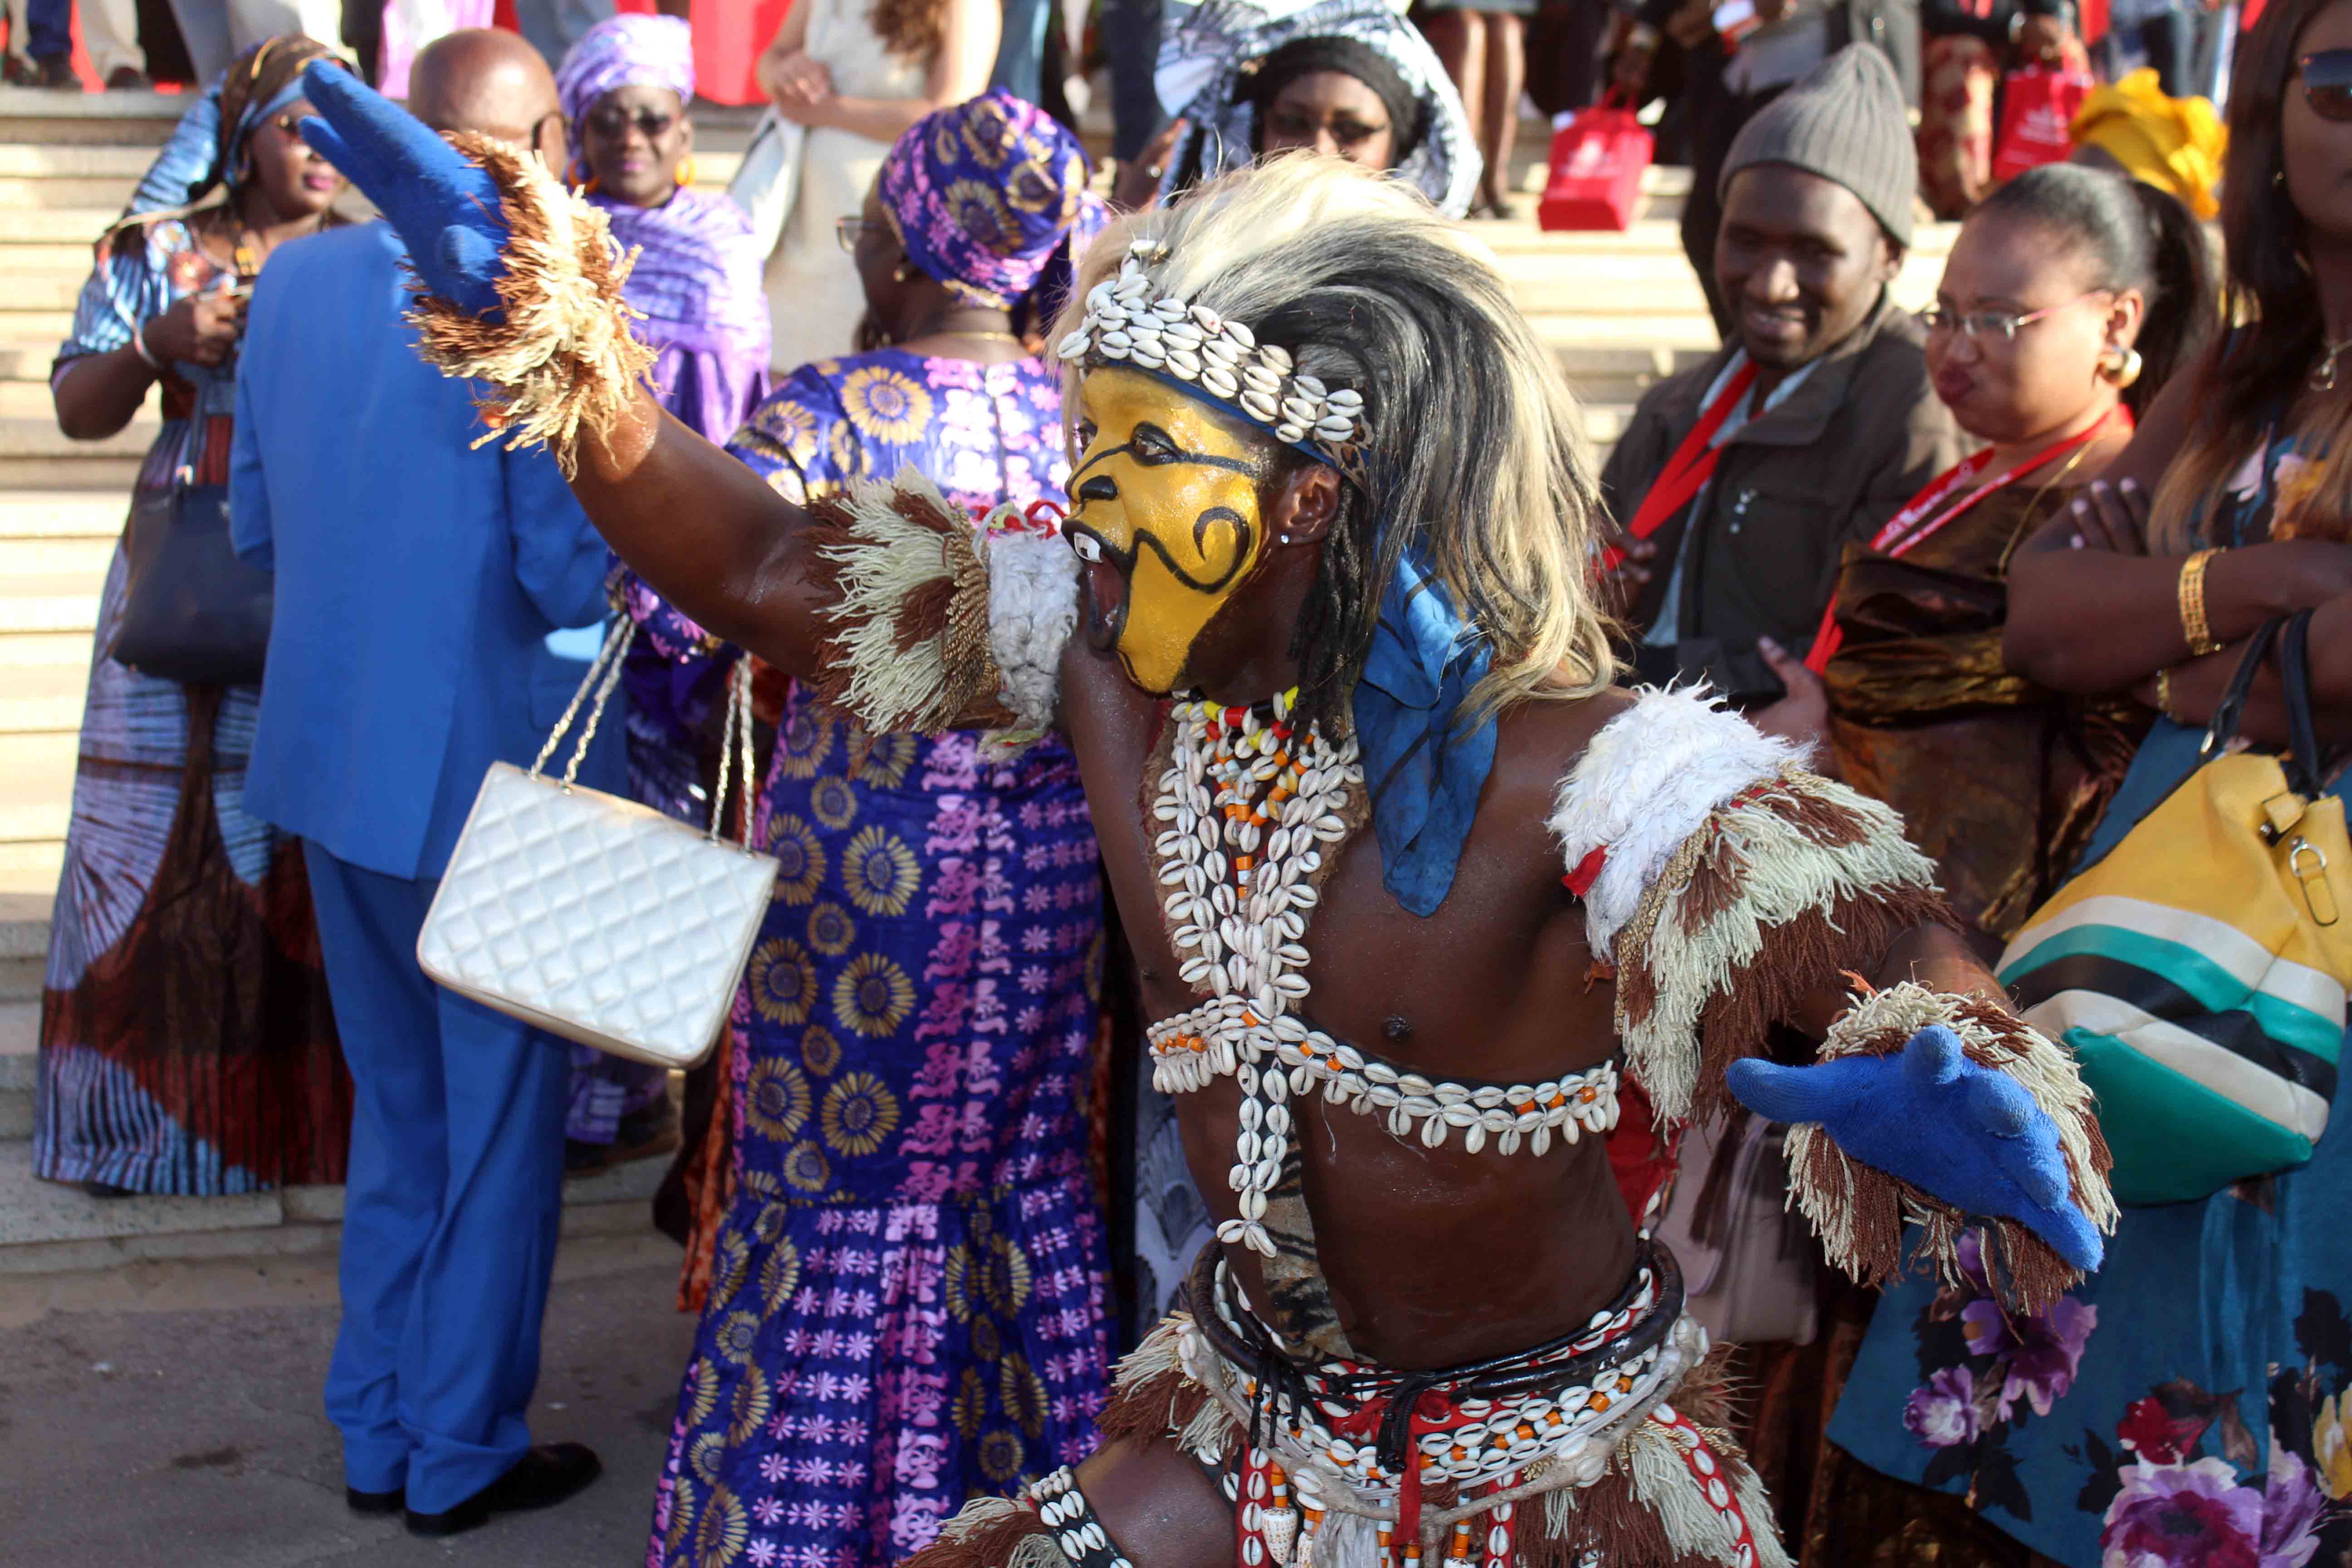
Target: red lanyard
(1687, 471)
(1926, 514)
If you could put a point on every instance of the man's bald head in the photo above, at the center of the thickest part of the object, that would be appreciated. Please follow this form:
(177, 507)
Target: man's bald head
(489, 81)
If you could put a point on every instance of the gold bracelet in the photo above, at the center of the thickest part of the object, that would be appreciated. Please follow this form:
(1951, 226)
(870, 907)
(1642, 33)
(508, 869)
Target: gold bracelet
(2164, 692)
(2194, 626)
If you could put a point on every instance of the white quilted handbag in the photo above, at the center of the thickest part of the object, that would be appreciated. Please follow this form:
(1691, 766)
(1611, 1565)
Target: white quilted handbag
(595, 918)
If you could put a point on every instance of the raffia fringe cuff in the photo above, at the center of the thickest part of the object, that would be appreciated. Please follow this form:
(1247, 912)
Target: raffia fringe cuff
(937, 627)
(1859, 1212)
(564, 359)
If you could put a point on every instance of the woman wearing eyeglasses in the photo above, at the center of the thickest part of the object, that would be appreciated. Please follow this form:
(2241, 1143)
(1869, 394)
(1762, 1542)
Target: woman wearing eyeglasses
(905, 1301)
(2071, 296)
(1347, 77)
(2191, 1403)
(186, 1043)
(625, 88)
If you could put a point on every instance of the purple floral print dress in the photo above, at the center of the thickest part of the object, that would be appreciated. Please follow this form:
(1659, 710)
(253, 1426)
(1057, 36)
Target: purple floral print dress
(906, 1306)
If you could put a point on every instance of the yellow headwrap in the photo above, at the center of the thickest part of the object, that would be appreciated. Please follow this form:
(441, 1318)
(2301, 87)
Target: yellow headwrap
(2173, 143)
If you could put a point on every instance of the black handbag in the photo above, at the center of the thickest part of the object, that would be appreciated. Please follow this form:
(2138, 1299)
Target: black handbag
(192, 612)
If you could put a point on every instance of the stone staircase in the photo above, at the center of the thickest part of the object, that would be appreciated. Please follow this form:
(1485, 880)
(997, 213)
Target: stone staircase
(1621, 310)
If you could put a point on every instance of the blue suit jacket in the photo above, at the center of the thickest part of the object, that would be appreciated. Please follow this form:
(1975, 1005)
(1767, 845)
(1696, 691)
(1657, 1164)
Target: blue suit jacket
(418, 576)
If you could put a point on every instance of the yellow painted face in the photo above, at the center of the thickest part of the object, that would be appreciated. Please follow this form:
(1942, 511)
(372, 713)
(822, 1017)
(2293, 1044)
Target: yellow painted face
(1166, 519)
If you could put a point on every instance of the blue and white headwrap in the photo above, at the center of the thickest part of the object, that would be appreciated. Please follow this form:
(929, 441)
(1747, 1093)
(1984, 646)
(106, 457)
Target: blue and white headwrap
(1208, 48)
(266, 79)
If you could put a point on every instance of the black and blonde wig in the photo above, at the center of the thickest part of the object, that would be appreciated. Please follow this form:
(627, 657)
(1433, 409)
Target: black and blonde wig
(1470, 451)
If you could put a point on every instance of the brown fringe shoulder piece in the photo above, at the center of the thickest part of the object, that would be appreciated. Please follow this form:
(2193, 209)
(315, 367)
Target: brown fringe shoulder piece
(907, 645)
(1860, 1212)
(563, 358)
(991, 1533)
(1782, 890)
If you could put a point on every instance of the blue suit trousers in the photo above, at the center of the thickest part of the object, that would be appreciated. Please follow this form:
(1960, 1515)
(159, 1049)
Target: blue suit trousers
(452, 1207)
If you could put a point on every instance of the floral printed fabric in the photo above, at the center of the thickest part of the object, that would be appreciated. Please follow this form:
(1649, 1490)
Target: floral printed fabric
(907, 1307)
(2185, 1406)
(988, 195)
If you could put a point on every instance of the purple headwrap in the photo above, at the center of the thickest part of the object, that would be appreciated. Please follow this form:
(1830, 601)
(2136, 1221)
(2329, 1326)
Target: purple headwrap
(990, 198)
(629, 49)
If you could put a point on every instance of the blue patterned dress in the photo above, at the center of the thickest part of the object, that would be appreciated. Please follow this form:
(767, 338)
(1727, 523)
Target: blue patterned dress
(906, 1299)
(188, 1046)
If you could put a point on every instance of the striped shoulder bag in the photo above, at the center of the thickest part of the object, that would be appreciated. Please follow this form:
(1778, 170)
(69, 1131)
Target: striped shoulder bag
(2199, 969)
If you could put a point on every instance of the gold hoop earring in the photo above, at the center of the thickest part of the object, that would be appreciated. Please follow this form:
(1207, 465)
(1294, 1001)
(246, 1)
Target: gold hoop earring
(686, 172)
(2121, 365)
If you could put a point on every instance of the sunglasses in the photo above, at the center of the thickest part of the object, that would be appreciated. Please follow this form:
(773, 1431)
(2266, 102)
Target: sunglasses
(2327, 83)
(651, 123)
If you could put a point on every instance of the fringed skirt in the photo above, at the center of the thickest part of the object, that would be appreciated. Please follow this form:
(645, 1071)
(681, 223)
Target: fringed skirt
(1568, 1457)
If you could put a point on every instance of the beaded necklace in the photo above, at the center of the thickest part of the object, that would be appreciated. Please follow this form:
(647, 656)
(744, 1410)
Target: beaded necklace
(1247, 807)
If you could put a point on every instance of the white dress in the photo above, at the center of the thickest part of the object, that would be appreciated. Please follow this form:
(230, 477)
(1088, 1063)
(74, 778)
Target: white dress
(814, 300)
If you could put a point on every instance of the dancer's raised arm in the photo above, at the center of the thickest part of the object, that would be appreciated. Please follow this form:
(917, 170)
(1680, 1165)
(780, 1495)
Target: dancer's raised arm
(874, 595)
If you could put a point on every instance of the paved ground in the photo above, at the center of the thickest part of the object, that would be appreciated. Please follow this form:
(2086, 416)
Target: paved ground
(167, 1414)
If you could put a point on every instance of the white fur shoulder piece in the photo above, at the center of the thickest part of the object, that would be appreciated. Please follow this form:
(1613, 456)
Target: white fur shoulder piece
(1645, 784)
(1033, 608)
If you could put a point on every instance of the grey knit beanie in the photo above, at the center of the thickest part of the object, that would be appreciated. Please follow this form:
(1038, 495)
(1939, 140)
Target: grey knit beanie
(1845, 122)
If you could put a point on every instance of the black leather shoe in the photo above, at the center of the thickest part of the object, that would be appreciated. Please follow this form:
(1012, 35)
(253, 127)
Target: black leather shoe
(541, 1478)
(392, 1501)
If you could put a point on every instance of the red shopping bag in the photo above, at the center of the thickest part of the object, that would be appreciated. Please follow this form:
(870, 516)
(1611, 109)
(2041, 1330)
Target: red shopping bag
(2037, 105)
(1597, 160)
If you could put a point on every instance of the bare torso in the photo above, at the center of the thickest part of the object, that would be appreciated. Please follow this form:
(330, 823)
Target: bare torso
(1432, 1256)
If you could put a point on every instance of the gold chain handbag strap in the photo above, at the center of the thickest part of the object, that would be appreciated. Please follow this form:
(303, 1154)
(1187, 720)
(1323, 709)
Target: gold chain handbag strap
(604, 674)
(735, 739)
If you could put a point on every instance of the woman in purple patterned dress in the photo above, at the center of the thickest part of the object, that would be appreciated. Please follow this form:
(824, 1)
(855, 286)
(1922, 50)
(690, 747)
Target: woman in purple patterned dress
(907, 1298)
(625, 88)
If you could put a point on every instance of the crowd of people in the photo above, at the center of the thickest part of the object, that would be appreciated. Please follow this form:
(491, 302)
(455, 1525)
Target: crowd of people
(1204, 685)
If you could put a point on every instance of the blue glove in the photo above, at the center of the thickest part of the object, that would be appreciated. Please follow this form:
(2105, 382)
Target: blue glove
(1962, 1133)
(445, 209)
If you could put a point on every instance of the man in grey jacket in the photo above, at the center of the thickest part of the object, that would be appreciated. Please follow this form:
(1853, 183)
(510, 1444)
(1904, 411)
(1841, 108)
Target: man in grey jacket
(1739, 483)
(1729, 77)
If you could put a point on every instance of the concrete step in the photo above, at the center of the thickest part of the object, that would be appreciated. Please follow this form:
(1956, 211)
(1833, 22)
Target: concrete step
(108, 473)
(32, 1210)
(20, 1009)
(20, 1034)
(47, 293)
(40, 332)
(46, 1228)
(35, 651)
(30, 869)
(35, 785)
(61, 258)
(79, 191)
(59, 514)
(48, 115)
(38, 436)
(27, 359)
(42, 699)
(22, 158)
(53, 556)
(48, 604)
(58, 226)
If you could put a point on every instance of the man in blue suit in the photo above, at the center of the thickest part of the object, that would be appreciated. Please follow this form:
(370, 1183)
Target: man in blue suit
(418, 580)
